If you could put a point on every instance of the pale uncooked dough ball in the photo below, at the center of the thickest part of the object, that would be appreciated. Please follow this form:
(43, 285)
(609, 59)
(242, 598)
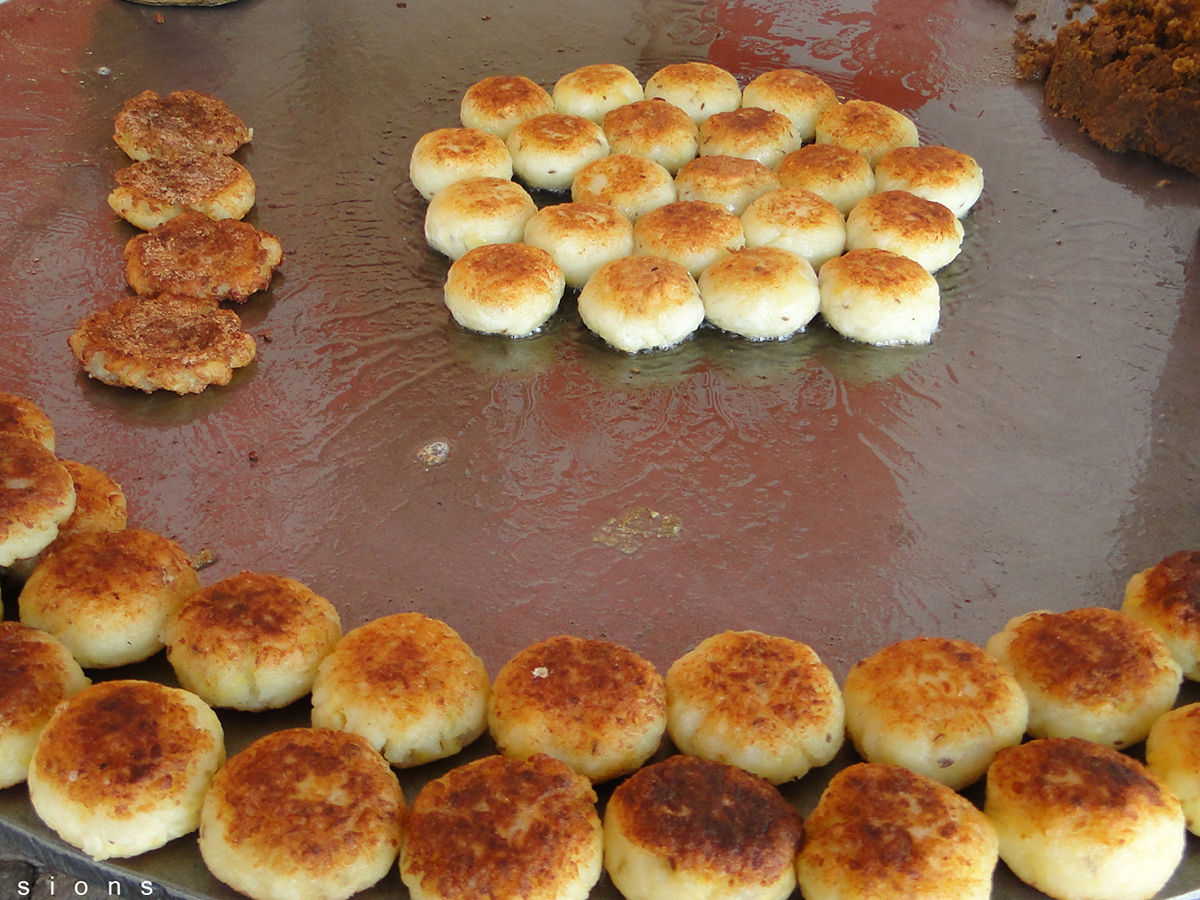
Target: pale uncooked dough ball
(447, 155)
(508, 289)
(879, 297)
(698, 88)
(641, 303)
(594, 90)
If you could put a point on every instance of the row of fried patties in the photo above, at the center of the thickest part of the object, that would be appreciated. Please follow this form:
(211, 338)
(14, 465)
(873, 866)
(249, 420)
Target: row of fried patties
(695, 170)
(189, 196)
(120, 767)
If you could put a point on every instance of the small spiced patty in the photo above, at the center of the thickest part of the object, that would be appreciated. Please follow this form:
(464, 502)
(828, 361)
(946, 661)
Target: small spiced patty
(183, 121)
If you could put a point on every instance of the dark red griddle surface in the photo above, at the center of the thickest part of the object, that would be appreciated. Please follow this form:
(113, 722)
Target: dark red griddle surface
(1037, 453)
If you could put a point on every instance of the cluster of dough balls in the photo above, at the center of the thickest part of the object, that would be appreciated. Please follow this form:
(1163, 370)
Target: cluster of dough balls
(188, 195)
(691, 199)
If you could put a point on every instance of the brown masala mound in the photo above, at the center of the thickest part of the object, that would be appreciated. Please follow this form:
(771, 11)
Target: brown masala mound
(1130, 75)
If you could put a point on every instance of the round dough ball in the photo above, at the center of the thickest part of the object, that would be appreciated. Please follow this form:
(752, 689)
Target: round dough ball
(885, 831)
(730, 181)
(593, 91)
(447, 155)
(590, 703)
(37, 672)
(937, 173)
(904, 223)
(477, 211)
(302, 814)
(633, 184)
(122, 767)
(654, 129)
(407, 683)
(796, 220)
(1080, 821)
(839, 175)
(1166, 597)
(1173, 757)
(693, 233)
(506, 829)
(764, 703)
(800, 96)
(879, 297)
(499, 103)
(693, 827)
(749, 132)
(641, 303)
(509, 289)
(251, 641)
(871, 128)
(1092, 673)
(580, 236)
(106, 594)
(940, 707)
(760, 293)
(549, 150)
(698, 88)
(22, 416)
(37, 495)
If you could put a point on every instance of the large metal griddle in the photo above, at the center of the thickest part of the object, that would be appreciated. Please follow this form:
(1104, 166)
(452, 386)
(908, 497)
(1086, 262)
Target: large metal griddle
(1043, 448)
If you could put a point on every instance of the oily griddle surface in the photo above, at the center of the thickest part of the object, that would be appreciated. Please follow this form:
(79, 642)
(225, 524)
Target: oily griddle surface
(1037, 453)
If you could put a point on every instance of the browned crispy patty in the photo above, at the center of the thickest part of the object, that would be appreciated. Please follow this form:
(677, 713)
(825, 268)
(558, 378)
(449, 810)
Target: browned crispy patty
(597, 706)
(884, 831)
(688, 826)
(1173, 756)
(37, 672)
(181, 122)
(1166, 597)
(406, 682)
(1081, 821)
(164, 342)
(303, 814)
(106, 594)
(99, 506)
(505, 829)
(196, 256)
(100, 503)
(938, 706)
(154, 190)
(123, 766)
(765, 703)
(36, 496)
(251, 641)
(1092, 672)
(22, 415)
